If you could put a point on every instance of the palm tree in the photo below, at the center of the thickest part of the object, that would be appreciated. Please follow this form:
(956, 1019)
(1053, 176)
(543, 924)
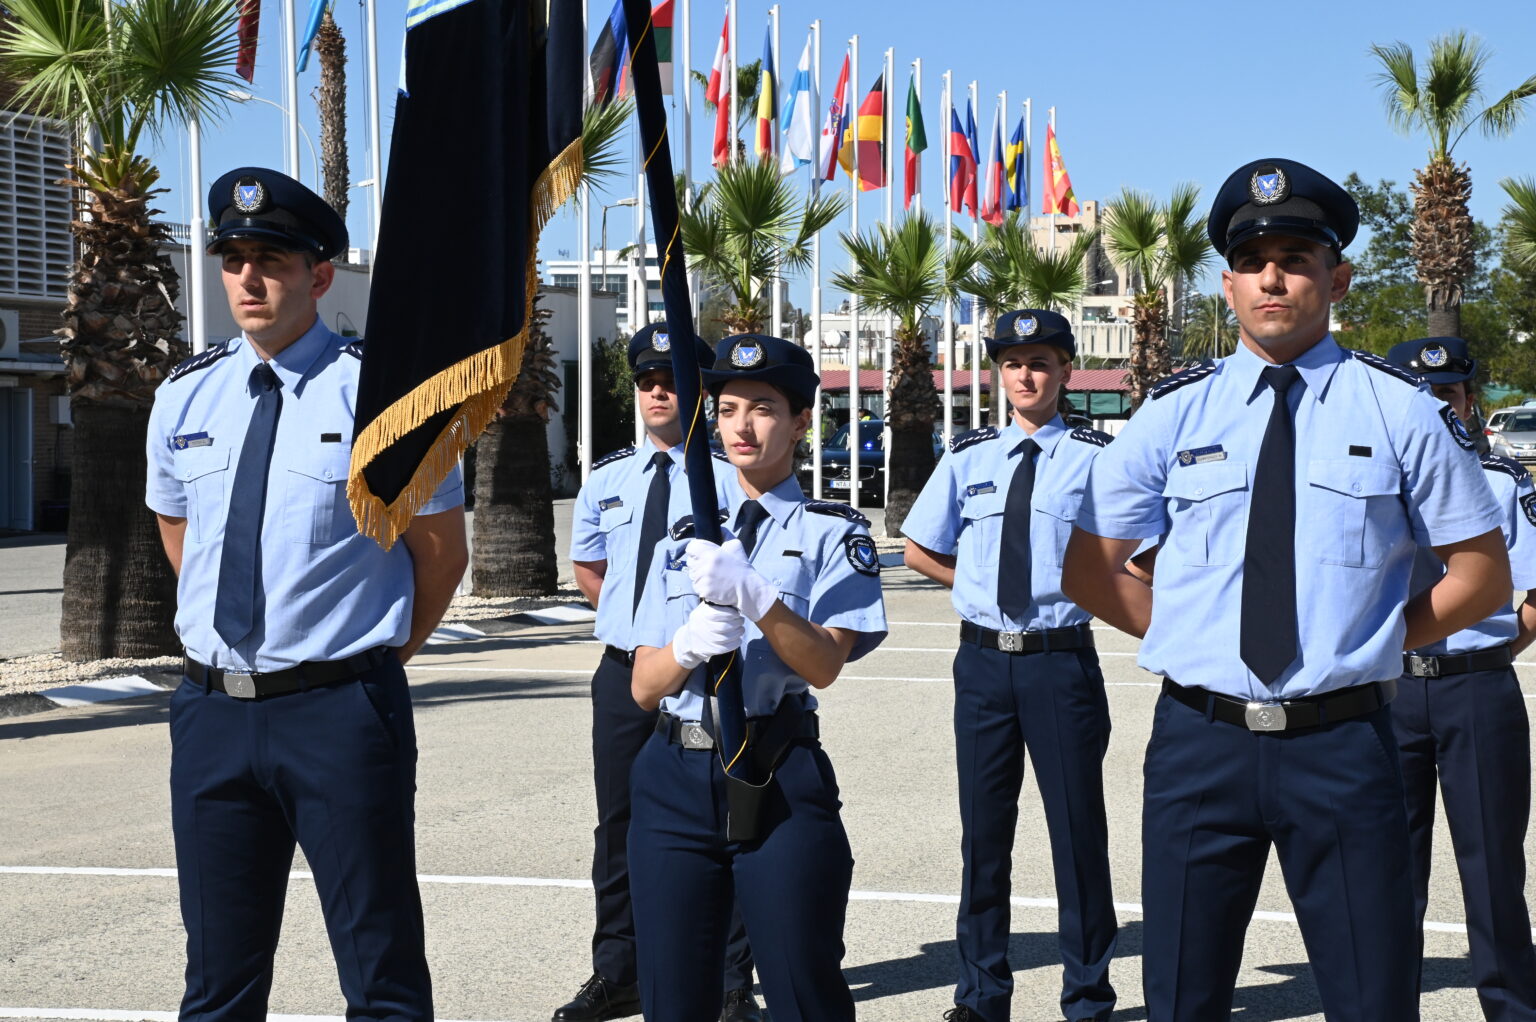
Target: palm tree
(1163, 247)
(903, 271)
(117, 69)
(1443, 104)
(331, 99)
(1520, 222)
(745, 230)
(1211, 330)
(748, 78)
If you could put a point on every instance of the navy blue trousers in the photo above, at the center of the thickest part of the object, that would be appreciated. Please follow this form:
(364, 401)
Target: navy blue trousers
(1471, 732)
(791, 886)
(1329, 799)
(620, 730)
(1051, 705)
(334, 769)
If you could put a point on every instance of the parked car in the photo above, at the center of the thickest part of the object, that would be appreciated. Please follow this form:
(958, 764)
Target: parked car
(835, 481)
(1512, 433)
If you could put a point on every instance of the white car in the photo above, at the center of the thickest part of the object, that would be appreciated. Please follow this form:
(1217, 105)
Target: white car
(1512, 433)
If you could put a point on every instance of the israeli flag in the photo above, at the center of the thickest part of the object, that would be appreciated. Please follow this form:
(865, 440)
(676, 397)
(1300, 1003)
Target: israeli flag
(799, 131)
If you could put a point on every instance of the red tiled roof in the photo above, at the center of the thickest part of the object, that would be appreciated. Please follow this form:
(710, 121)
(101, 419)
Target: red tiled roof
(873, 379)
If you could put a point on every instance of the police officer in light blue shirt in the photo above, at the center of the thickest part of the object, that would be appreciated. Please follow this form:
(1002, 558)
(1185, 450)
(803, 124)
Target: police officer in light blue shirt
(992, 523)
(293, 722)
(1294, 481)
(1460, 719)
(621, 514)
(797, 593)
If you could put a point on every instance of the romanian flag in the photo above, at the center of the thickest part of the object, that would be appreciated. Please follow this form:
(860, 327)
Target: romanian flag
(835, 125)
(868, 133)
(962, 168)
(610, 55)
(718, 92)
(245, 37)
(997, 186)
(1018, 185)
(917, 141)
(1058, 186)
(767, 101)
(492, 89)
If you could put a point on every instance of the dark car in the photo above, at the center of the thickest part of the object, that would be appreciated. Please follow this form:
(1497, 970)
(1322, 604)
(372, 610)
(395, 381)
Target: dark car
(835, 481)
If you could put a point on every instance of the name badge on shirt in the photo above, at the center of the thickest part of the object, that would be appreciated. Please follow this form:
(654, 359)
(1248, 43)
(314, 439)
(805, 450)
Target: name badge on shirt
(330, 438)
(1201, 455)
(975, 488)
(610, 504)
(186, 440)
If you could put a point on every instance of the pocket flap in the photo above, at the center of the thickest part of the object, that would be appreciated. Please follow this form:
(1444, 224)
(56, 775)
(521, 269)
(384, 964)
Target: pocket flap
(1060, 505)
(614, 517)
(325, 466)
(983, 505)
(1355, 477)
(195, 462)
(792, 577)
(1202, 482)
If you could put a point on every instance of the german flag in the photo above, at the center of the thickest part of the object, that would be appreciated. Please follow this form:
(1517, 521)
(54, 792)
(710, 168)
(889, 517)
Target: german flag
(868, 132)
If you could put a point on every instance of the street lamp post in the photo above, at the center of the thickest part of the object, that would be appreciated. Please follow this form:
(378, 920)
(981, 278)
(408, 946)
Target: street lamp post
(241, 96)
(603, 248)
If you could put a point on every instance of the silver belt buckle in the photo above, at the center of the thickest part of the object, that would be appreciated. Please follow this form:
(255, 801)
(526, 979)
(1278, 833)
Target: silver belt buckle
(1423, 666)
(1010, 642)
(1264, 717)
(240, 684)
(695, 737)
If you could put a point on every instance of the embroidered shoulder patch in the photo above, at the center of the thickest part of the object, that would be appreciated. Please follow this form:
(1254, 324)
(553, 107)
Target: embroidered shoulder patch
(199, 361)
(861, 553)
(1193, 374)
(971, 437)
(836, 509)
(1091, 436)
(683, 527)
(1382, 365)
(618, 455)
(1528, 505)
(1509, 466)
(355, 349)
(1458, 431)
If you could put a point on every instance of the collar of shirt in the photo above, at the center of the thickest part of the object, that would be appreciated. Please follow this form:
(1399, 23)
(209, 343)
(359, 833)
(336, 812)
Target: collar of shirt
(1317, 365)
(650, 447)
(782, 500)
(1046, 437)
(295, 361)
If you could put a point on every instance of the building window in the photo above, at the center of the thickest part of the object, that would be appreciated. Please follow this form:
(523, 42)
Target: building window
(36, 248)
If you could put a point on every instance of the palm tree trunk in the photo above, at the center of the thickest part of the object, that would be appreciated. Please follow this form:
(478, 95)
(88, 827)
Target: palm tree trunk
(332, 104)
(514, 511)
(1149, 350)
(1444, 251)
(914, 409)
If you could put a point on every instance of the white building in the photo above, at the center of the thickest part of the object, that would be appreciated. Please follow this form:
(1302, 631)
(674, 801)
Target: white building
(614, 272)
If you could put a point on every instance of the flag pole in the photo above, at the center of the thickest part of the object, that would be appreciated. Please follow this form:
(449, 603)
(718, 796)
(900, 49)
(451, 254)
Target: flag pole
(976, 303)
(687, 77)
(1029, 168)
(948, 107)
(731, 45)
(998, 401)
(776, 282)
(917, 84)
(816, 168)
(375, 149)
(855, 434)
(584, 294)
(888, 143)
(197, 334)
(291, 87)
(1051, 184)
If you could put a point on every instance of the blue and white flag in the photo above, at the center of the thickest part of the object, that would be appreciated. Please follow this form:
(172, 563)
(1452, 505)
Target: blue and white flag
(317, 10)
(799, 128)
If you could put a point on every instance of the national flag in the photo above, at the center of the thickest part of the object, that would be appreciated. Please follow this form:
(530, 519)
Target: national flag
(868, 133)
(493, 90)
(1058, 186)
(767, 101)
(973, 194)
(917, 141)
(317, 9)
(245, 37)
(997, 185)
(835, 125)
(718, 93)
(799, 131)
(962, 168)
(1018, 184)
(609, 55)
(661, 28)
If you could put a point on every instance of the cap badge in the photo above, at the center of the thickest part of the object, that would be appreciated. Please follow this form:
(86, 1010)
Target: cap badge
(1026, 326)
(1433, 356)
(250, 196)
(745, 356)
(1266, 189)
(660, 341)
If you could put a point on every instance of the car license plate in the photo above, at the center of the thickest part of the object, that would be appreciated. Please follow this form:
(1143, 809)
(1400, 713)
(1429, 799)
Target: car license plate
(838, 484)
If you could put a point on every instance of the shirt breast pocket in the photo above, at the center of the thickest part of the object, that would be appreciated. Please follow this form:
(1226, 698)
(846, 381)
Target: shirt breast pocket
(318, 512)
(1354, 504)
(204, 473)
(611, 523)
(983, 523)
(1205, 512)
(1057, 513)
(794, 581)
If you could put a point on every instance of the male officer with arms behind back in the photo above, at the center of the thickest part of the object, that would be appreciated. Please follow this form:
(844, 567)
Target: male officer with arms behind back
(293, 722)
(1293, 480)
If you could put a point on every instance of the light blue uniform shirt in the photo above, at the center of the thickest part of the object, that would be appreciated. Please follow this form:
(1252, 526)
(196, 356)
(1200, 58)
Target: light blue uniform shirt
(1380, 470)
(329, 591)
(821, 558)
(1516, 501)
(605, 526)
(960, 514)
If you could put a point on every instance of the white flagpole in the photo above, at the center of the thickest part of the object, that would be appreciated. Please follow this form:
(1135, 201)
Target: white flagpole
(1002, 191)
(917, 83)
(291, 87)
(775, 283)
(197, 334)
(732, 46)
(816, 167)
(1052, 184)
(375, 149)
(687, 83)
(584, 298)
(976, 344)
(947, 115)
(855, 434)
(1029, 168)
(888, 102)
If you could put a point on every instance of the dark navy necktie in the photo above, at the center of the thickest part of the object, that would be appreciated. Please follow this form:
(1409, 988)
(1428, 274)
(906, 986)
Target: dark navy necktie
(1013, 578)
(654, 525)
(748, 519)
(234, 610)
(1268, 642)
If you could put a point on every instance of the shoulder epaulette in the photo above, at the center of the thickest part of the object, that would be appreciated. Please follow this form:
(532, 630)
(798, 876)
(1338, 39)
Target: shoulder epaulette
(1193, 374)
(838, 510)
(618, 455)
(719, 455)
(202, 360)
(1390, 368)
(971, 436)
(1091, 436)
(1509, 466)
(355, 349)
(683, 527)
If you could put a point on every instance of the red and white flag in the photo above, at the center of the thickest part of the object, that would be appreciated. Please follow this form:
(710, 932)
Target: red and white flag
(718, 92)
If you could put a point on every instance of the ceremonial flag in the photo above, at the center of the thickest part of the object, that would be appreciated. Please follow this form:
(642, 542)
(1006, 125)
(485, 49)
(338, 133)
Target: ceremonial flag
(609, 56)
(317, 9)
(492, 90)
(835, 125)
(917, 141)
(767, 101)
(1058, 186)
(799, 137)
(962, 168)
(718, 92)
(1018, 185)
(661, 28)
(245, 37)
(868, 133)
(997, 185)
(972, 195)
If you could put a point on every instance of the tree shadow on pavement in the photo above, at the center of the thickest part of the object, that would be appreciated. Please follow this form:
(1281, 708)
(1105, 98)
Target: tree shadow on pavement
(153, 708)
(471, 689)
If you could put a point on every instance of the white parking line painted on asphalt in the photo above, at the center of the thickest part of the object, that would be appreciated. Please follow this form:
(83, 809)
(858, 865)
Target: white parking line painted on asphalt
(101, 691)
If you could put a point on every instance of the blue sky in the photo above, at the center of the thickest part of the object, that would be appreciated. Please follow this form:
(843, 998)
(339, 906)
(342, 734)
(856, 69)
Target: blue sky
(1147, 95)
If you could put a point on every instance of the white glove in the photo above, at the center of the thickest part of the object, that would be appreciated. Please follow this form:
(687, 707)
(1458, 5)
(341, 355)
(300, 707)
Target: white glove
(722, 574)
(709, 631)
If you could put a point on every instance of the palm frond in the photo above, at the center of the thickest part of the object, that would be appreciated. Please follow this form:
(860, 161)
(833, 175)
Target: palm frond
(1187, 249)
(600, 130)
(1057, 280)
(1520, 222)
(1133, 233)
(172, 59)
(1398, 80)
(57, 54)
(1505, 115)
(1451, 87)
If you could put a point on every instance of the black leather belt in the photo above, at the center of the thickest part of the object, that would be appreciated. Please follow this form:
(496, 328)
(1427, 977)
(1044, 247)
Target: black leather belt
(310, 674)
(691, 734)
(1286, 714)
(1457, 663)
(623, 656)
(1047, 640)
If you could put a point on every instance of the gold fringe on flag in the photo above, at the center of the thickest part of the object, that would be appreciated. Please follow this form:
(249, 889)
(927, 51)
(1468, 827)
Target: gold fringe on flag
(477, 385)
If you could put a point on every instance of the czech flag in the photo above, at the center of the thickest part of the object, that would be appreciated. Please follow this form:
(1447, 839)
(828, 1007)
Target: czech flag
(962, 168)
(997, 186)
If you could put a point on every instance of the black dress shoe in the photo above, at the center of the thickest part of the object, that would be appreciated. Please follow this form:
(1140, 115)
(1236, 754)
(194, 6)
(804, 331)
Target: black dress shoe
(959, 1013)
(599, 1000)
(740, 1006)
